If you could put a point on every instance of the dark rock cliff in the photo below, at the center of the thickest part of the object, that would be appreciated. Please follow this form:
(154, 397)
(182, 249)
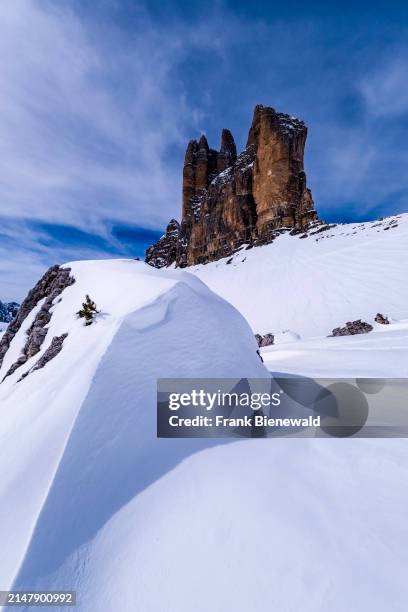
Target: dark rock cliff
(229, 200)
(48, 288)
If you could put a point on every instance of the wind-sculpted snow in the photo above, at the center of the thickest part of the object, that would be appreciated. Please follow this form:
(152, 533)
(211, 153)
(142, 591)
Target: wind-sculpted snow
(92, 501)
(383, 353)
(312, 285)
(258, 525)
(79, 435)
(300, 288)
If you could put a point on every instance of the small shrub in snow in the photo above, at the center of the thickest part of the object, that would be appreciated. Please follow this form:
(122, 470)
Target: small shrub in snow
(88, 311)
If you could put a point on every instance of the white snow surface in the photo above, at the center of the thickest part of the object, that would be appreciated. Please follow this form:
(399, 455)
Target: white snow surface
(382, 353)
(78, 438)
(312, 285)
(300, 289)
(91, 500)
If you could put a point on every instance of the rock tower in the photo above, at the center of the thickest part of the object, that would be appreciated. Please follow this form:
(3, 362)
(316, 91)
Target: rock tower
(229, 200)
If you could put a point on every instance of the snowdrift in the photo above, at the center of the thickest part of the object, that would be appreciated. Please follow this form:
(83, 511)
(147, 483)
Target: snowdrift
(382, 353)
(92, 501)
(78, 437)
(258, 525)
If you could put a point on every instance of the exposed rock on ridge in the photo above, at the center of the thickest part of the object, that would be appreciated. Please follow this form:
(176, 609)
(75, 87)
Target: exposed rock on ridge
(382, 319)
(230, 200)
(52, 351)
(265, 340)
(50, 286)
(351, 328)
(165, 250)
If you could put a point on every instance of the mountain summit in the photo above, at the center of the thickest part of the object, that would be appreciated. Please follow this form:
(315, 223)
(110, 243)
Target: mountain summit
(229, 200)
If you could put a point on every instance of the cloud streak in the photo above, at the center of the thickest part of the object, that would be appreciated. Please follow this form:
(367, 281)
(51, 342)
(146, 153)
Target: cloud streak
(90, 115)
(96, 106)
(93, 120)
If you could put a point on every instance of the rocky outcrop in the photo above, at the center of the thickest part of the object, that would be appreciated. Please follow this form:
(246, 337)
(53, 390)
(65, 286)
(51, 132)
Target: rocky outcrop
(48, 288)
(229, 200)
(52, 351)
(380, 318)
(266, 340)
(352, 328)
(165, 250)
(258, 339)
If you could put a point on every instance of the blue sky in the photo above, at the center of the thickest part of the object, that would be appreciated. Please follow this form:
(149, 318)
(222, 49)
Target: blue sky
(99, 97)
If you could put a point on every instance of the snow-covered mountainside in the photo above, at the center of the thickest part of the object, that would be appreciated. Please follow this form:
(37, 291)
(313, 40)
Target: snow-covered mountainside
(78, 436)
(92, 501)
(301, 287)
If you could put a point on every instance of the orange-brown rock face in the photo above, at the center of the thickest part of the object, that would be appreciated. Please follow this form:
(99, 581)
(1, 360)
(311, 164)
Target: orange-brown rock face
(230, 200)
(279, 180)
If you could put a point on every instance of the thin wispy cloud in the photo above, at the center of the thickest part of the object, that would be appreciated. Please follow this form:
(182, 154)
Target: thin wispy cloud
(90, 117)
(98, 99)
(385, 90)
(85, 122)
(366, 157)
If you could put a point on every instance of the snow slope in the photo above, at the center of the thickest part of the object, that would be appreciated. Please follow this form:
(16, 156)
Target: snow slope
(312, 285)
(300, 289)
(92, 500)
(259, 526)
(173, 325)
(382, 353)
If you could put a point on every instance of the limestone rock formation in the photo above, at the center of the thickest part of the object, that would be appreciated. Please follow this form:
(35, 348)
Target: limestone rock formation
(258, 338)
(164, 252)
(229, 200)
(351, 328)
(380, 318)
(52, 351)
(266, 340)
(48, 288)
